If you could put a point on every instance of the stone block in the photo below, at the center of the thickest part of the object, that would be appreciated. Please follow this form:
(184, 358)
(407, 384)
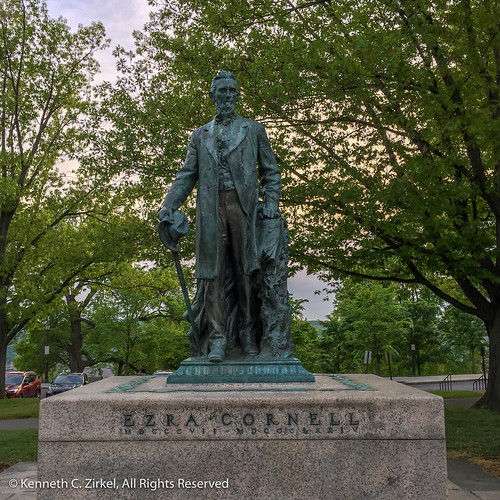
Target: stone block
(346, 437)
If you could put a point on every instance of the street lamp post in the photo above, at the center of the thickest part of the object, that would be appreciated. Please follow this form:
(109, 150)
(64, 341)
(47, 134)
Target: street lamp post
(413, 348)
(47, 329)
(483, 354)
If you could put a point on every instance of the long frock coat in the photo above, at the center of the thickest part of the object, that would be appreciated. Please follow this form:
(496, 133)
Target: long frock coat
(250, 159)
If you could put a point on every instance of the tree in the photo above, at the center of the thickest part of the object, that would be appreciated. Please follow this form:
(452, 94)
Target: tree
(465, 333)
(369, 317)
(130, 329)
(424, 314)
(306, 343)
(131, 316)
(30, 352)
(386, 121)
(337, 350)
(45, 72)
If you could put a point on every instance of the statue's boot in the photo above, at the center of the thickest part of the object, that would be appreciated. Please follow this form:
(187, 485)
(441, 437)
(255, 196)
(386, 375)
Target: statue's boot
(248, 344)
(216, 354)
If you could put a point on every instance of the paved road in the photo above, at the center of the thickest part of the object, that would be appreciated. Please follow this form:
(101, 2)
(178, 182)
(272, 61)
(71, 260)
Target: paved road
(432, 383)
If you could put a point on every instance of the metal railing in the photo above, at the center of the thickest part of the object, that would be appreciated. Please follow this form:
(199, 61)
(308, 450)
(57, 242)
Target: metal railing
(480, 383)
(446, 384)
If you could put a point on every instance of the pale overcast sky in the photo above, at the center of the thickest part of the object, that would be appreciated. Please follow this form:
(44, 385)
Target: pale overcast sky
(121, 18)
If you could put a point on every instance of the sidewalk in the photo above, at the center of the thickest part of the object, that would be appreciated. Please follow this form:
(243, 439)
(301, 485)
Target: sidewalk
(10, 481)
(18, 423)
(466, 481)
(416, 380)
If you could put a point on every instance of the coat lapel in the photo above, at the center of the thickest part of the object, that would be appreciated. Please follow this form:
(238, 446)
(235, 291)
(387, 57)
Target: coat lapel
(241, 131)
(241, 128)
(210, 139)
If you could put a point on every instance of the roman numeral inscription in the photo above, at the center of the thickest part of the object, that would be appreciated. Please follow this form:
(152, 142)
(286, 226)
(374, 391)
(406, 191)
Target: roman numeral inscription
(278, 424)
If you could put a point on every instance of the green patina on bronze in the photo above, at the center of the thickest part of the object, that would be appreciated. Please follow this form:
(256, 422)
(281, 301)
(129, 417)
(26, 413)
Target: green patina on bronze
(137, 386)
(240, 312)
(240, 371)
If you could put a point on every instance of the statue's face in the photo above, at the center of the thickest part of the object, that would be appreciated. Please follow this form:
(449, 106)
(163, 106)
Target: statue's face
(226, 95)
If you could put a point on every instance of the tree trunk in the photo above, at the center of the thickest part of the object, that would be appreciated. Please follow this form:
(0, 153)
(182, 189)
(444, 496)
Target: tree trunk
(4, 342)
(491, 398)
(75, 348)
(5, 220)
(127, 352)
(3, 361)
(76, 361)
(378, 358)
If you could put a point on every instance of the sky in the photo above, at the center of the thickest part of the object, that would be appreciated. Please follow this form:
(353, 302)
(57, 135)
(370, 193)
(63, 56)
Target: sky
(120, 18)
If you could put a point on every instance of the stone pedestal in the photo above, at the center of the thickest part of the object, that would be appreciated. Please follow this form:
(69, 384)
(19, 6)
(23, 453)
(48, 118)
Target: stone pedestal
(340, 437)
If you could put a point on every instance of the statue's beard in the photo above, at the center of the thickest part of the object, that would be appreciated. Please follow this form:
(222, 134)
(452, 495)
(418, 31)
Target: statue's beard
(225, 110)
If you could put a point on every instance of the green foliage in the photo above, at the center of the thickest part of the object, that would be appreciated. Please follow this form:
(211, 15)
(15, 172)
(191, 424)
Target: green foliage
(19, 408)
(376, 317)
(362, 139)
(131, 318)
(465, 336)
(139, 322)
(385, 117)
(30, 349)
(168, 345)
(424, 311)
(305, 340)
(45, 73)
(366, 316)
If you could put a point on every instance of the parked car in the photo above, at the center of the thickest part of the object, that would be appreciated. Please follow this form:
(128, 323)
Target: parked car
(22, 385)
(67, 381)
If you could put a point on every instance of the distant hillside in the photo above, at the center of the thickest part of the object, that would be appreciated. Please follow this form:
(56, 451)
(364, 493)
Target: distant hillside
(317, 324)
(11, 353)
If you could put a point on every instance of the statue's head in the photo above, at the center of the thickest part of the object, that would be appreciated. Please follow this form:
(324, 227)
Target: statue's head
(224, 92)
(216, 80)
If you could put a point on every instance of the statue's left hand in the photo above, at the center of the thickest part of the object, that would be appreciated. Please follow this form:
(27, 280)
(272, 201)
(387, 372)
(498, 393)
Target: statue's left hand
(269, 211)
(166, 214)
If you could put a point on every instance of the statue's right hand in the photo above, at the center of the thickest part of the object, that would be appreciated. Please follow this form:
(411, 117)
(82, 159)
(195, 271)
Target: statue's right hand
(166, 214)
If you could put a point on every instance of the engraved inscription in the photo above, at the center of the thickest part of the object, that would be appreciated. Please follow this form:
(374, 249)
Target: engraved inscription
(313, 424)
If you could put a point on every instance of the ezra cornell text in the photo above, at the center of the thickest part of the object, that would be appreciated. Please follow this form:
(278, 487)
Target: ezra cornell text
(243, 423)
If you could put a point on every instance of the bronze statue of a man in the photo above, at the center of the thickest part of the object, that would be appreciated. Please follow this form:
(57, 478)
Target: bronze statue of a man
(231, 160)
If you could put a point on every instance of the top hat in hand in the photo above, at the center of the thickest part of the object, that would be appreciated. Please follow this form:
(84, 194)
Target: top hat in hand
(171, 231)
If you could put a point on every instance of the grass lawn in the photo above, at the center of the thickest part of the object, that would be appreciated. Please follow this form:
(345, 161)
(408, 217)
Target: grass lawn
(474, 435)
(18, 446)
(19, 408)
(458, 394)
(476, 432)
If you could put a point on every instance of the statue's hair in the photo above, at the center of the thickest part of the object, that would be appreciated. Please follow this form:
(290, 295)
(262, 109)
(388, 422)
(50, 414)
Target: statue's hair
(221, 75)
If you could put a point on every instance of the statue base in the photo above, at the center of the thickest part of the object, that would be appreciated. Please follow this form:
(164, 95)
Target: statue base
(348, 437)
(240, 370)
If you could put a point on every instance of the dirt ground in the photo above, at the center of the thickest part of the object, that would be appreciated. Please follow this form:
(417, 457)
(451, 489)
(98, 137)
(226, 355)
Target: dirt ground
(489, 465)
